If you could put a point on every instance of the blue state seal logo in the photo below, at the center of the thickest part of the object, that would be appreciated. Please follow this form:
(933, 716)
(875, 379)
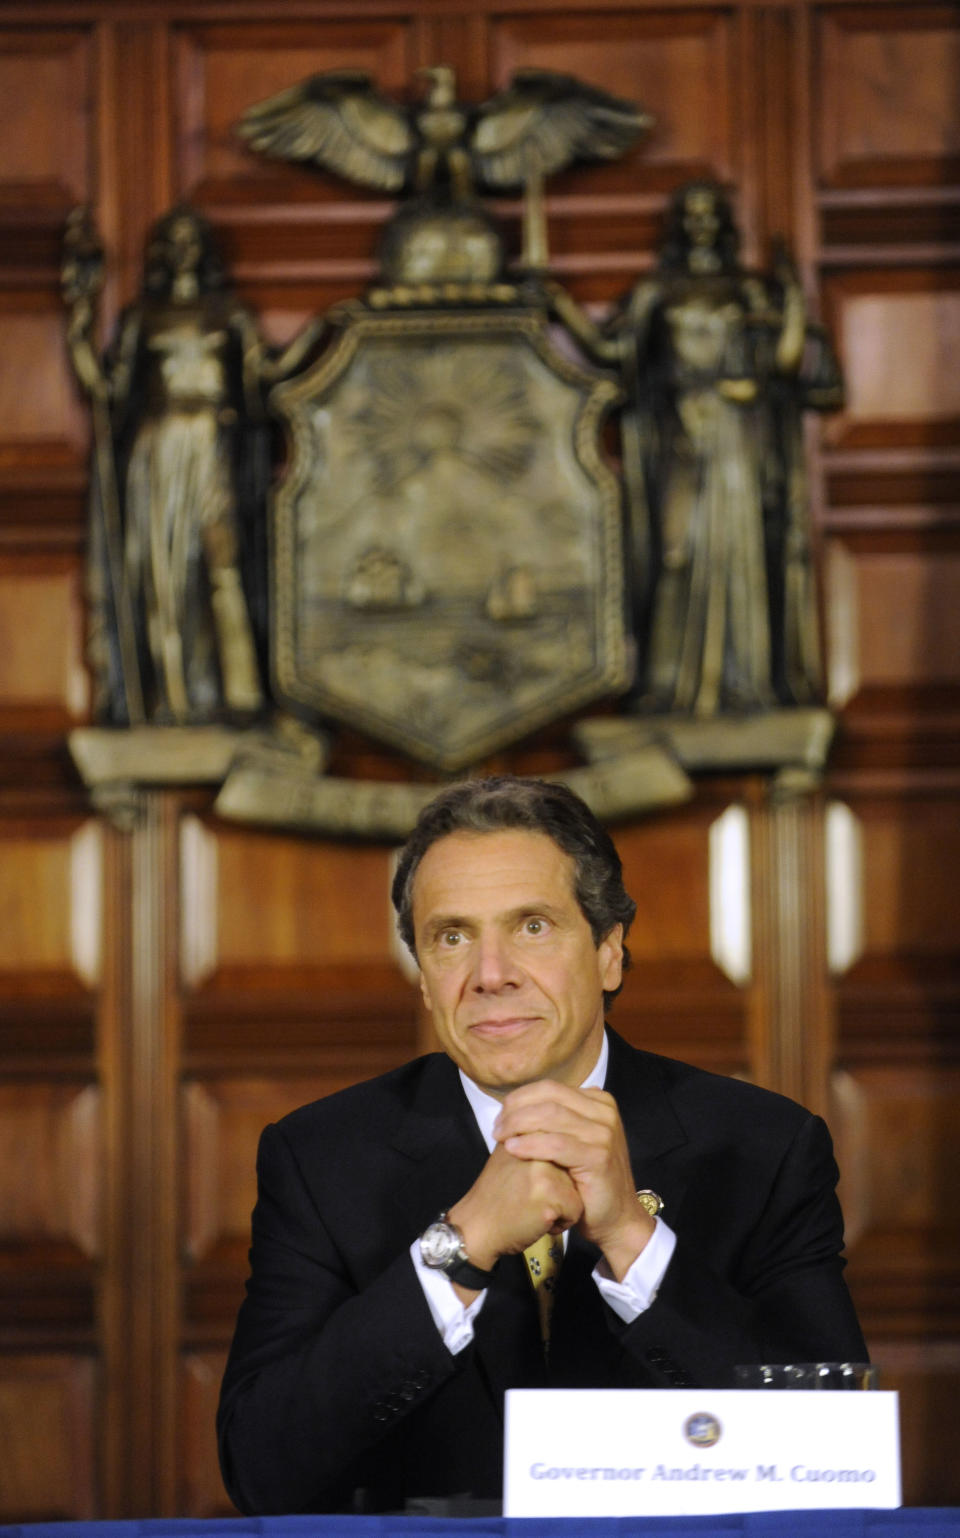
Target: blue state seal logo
(702, 1429)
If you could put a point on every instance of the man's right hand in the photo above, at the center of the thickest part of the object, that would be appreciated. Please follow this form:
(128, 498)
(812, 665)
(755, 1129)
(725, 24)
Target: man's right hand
(512, 1203)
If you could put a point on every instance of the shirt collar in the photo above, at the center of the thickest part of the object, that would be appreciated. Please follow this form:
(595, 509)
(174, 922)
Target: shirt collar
(486, 1108)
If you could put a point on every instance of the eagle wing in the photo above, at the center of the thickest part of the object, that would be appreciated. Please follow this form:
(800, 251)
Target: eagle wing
(547, 120)
(337, 121)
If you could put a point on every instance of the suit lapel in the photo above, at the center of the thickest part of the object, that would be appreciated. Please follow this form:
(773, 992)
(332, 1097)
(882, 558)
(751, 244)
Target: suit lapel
(439, 1135)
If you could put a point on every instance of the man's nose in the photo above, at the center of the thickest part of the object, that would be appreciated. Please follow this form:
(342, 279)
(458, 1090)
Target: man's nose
(494, 966)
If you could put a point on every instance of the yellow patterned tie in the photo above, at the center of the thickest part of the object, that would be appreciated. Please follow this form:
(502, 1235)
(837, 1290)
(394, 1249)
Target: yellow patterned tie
(543, 1264)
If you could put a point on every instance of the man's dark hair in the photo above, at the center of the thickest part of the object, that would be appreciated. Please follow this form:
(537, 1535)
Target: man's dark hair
(532, 806)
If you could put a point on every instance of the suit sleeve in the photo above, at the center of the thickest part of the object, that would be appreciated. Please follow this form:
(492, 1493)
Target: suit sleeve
(322, 1369)
(783, 1297)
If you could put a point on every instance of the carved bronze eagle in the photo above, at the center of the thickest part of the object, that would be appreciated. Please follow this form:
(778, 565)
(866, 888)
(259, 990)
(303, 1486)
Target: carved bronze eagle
(535, 127)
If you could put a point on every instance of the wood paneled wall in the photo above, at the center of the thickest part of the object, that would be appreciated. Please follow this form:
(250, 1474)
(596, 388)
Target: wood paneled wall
(166, 990)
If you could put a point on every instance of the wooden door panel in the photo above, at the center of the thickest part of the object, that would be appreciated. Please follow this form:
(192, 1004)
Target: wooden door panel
(41, 639)
(899, 1127)
(676, 997)
(48, 1440)
(201, 1488)
(926, 1374)
(43, 423)
(888, 109)
(678, 65)
(892, 615)
(222, 69)
(898, 334)
(47, 152)
(280, 907)
(911, 854)
(50, 907)
(50, 1165)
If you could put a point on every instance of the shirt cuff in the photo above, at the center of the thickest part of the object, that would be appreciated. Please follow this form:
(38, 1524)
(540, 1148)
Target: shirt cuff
(639, 1287)
(451, 1317)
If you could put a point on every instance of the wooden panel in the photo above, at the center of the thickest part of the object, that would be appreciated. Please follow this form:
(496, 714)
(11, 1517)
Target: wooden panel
(42, 418)
(894, 615)
(41, 636)
(898, 335)
(898, 1128)
(50, 1157)
(295, 241)
(201, 1489)
(222, 70)
(48, 1438)
(888, 107)
(289, 955)
(673, 914)
(911, 855)
(675, 998)
(677, 64)
(926, 1374)
(898, 1003)
(265, 901)
(50, 905)
(885, 377)
(897, 1132)
(45, 148)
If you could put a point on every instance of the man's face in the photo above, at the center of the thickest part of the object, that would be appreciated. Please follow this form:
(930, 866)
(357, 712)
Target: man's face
(508, 966)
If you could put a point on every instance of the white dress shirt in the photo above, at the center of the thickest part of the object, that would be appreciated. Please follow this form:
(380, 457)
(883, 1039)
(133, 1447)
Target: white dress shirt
(628, 1298)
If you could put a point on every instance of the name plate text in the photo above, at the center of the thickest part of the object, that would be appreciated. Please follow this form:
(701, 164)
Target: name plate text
(629, 1452)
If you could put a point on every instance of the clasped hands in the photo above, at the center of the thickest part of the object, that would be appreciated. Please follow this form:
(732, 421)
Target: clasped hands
(560, 1162)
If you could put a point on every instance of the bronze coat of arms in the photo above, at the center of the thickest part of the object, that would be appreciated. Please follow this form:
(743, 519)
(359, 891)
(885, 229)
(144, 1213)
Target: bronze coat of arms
(448, 565)
(453, 563)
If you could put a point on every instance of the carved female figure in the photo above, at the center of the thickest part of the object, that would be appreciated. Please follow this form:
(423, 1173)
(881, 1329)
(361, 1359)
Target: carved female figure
(180, 395)
(719, 364)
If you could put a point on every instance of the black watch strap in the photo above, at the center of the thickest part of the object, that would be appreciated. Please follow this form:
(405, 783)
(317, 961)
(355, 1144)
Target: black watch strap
(469, 1275)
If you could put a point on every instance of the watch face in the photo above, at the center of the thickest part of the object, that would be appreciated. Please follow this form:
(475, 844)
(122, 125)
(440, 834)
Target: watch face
(439, 1245)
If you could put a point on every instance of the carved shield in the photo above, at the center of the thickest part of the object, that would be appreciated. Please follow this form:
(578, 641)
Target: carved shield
(448, 568)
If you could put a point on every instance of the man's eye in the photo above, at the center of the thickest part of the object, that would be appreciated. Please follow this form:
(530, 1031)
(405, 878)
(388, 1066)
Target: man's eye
(535, 926)
(451, 937)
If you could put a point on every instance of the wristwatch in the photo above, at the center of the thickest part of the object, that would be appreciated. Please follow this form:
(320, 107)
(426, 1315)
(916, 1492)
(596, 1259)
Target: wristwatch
(442, 1249)
(651, 1202)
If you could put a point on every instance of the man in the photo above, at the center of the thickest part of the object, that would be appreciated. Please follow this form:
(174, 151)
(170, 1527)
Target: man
(390, 1304)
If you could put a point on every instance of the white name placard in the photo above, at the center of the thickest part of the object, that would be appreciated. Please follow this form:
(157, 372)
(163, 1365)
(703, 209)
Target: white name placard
(631, 1452)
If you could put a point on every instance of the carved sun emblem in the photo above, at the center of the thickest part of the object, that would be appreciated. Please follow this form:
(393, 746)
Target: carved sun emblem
(465, 404)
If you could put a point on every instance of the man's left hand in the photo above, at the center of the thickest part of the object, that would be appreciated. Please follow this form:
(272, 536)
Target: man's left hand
(580, 1130)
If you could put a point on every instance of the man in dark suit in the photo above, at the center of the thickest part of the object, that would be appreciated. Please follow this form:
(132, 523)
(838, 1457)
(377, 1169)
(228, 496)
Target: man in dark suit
(390, 1303)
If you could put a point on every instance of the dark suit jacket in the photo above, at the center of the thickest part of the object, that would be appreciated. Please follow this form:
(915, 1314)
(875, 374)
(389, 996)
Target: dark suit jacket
(338, 1380)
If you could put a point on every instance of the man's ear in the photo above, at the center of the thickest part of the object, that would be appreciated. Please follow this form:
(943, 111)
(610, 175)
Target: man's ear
(610, 958)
